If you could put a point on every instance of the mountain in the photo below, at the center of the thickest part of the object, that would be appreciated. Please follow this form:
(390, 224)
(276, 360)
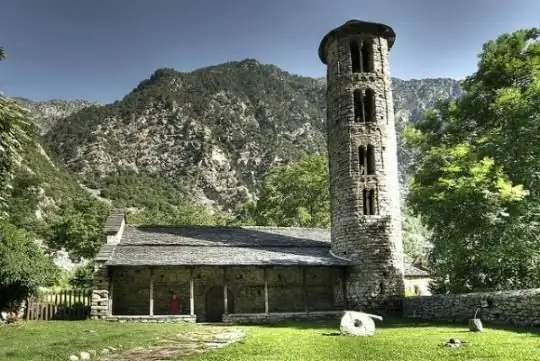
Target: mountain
(209, 135)
(47, 113)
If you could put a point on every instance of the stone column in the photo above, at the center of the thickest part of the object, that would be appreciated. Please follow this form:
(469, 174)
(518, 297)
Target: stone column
(99, 308)
(266, 305)
(344, 288)
(225, 301)
(151, 292)
(191, 293)
(304, 289)
(111, 295)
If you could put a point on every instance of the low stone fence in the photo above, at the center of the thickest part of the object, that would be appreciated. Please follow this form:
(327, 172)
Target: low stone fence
(276, 317)
(520, 307)
(154, 319)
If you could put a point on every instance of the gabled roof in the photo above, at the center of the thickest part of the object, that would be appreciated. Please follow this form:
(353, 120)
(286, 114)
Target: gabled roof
(226, 236)
(224, 246)
(221, 246)
(222, 256)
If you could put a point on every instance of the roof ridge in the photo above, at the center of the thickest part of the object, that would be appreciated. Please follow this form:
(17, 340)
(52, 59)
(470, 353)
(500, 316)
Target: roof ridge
(241, 245)
(224, 227)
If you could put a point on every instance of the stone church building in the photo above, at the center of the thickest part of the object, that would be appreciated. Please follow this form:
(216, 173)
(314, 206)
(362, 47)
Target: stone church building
(239, 274)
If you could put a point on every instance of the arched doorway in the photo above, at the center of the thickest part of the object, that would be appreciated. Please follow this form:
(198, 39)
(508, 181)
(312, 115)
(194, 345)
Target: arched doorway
(215, 303)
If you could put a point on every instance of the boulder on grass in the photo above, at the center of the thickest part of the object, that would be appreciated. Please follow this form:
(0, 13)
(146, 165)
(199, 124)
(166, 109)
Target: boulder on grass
(475, 325)
(358, 323)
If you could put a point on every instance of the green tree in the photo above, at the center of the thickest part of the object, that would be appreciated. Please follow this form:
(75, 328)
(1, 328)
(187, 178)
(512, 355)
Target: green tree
(15, 133)
(23, 266)
(416, 239)
(294, 195)
(477, 162)
(82, 276)
(185, 214)
(77, 227)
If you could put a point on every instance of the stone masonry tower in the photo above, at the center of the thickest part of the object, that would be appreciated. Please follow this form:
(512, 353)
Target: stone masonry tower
(362, 159)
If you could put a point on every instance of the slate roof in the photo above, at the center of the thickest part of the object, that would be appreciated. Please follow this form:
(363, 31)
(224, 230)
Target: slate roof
(222, 256)
(114, 222)
(226, 236)
(411, 271)
(105, 252)
(223, 246)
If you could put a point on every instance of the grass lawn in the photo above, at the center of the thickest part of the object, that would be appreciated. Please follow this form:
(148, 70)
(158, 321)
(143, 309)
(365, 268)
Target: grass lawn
(56, 340)
(393, 342)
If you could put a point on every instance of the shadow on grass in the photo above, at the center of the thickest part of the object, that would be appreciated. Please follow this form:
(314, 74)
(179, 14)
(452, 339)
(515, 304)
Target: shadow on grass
(391, 323)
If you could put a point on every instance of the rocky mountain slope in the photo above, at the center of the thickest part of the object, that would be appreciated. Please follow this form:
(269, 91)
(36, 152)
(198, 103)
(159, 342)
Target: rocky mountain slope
(210, 134)
(47, 113)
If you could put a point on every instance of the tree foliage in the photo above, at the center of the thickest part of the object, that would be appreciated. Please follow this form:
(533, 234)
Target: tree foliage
(477, 170)
(15, 132)
(83, 276)
(77, 227)
(23, 266)
(184, 214)
(294, 195)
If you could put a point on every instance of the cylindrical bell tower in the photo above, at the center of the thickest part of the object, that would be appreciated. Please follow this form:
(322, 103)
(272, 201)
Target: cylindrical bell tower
(362, 159)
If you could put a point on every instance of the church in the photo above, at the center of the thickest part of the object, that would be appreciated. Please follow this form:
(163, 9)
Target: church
(268, 274)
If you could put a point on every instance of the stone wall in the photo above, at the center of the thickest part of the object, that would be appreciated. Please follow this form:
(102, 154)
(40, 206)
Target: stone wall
(507, 307)
(131, 294)
(100, 305)
(154, 319)
(372, 242)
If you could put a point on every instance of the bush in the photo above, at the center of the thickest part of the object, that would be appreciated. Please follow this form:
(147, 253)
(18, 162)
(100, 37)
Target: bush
(82, 276)
(23, 266)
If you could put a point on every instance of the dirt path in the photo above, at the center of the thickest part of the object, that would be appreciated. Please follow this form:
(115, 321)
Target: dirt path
(182, 344)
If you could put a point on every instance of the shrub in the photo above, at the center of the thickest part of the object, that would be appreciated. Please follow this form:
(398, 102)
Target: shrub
(23, 266)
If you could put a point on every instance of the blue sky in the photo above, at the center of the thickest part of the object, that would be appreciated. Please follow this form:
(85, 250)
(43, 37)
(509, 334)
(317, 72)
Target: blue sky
(101, 49)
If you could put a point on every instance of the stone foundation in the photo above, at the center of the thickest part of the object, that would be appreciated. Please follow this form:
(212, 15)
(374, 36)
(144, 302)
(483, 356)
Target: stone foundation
(506, 307)
(277, 317)
(154, 319)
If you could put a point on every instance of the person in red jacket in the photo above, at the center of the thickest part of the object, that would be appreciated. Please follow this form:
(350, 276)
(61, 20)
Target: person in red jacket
(175, 307)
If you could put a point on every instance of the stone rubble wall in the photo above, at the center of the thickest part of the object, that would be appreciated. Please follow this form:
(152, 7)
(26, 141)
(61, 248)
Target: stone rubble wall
(100, 304)
(521, 307)
(276, 317)
(153, 319)
(99, 308)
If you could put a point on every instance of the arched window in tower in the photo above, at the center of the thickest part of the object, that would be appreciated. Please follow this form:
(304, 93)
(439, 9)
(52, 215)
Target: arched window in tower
(366, 160)
(370, 159)
(369, 105)
(362, 160)
(366, 53)
(368, 196)
(358, 100)
(355, 56)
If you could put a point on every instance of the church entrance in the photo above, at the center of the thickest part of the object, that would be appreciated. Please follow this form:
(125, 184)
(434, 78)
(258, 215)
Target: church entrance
(215, 303)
